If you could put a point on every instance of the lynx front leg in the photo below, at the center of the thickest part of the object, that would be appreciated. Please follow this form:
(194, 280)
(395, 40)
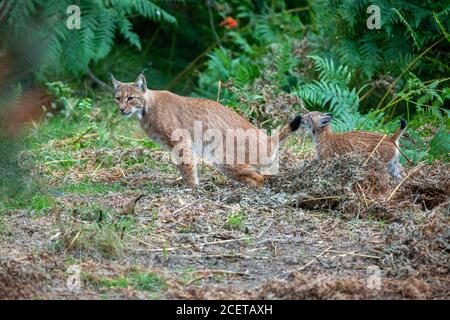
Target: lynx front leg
(187, 164)
(189, 174)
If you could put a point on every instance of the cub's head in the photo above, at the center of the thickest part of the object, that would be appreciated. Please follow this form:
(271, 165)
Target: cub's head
(130, 96)
(316, 122)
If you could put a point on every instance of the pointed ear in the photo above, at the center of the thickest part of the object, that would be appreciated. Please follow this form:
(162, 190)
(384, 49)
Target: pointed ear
(141, 82)
(325, 119)
(115, 82)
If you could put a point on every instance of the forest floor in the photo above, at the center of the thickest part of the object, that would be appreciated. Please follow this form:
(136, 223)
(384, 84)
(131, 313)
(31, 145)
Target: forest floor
(225, 240)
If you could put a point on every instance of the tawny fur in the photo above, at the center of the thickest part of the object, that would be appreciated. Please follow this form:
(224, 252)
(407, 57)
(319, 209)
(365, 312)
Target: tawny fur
(328, 143)
(162, 112)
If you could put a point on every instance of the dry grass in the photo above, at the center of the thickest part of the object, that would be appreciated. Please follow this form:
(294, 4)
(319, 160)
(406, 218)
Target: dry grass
(311, 232)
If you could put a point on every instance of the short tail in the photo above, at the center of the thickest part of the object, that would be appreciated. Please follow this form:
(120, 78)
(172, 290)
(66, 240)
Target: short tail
(397, 134)
(288, 129)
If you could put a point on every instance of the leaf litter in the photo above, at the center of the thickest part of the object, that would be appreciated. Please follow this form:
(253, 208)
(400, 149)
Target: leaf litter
(312, 232)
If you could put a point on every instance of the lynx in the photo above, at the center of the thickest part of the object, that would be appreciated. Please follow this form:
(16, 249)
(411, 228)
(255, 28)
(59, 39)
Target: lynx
(162, 114)
(328, 143)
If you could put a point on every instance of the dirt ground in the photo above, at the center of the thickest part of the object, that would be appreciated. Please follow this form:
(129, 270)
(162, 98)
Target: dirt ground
(327, 231)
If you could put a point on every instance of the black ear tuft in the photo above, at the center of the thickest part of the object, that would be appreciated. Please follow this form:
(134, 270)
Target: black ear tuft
(402, 124)
(295, 124)
(329, 114)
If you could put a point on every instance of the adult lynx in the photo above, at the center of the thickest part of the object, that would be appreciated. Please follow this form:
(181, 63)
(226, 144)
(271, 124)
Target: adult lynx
(234, 144)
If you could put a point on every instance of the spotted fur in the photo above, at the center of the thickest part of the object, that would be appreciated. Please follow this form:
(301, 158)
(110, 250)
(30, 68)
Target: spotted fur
(162, 112)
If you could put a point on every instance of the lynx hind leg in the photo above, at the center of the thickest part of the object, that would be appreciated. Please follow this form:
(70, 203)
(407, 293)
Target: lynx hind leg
(246, 174)
(395, 169)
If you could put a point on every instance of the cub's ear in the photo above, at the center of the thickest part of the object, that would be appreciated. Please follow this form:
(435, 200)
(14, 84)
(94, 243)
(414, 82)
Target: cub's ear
(115, 82)
(325, 119)
(141, 82)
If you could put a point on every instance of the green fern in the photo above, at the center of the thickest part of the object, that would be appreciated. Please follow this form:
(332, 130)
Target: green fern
(332, 93)
(426, 98)
(339, 76)
(101, 21)
(406, 29)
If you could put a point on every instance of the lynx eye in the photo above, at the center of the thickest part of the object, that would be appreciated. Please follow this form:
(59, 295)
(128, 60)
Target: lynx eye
(118, 99)
(130, 98)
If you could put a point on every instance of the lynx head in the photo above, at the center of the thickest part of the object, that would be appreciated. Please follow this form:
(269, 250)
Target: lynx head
(317, 123)
(131, 96)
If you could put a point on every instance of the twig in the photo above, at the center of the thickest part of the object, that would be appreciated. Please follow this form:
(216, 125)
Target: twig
(264, 230)
(351, 253)
(207, 273)
(197, 278)
(218, 91)
(98, 81)
(73, 241)
(315, 259)
(297, 9)
(219, 271)
(403, 180)
(186, 206)
(322, 198)
(95, 171)
(62, 160)
(191, 65)
(132, 139)
(364, 197)
(373, 151)
(367, 93)
(82, 135)
(211, 21)
(196, 245)
(392, 85)
(139, 240)
(73, 139)
(403, 154)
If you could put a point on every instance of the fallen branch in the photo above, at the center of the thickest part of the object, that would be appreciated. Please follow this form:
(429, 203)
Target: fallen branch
(81, 136)
(72, 242)
(403, 180)
(351, 253)
(197, 245)
(315, 259)
(186, 206)
(373, 151)
(76, 139)
(139, 240)
(322, 198)
(98, 81)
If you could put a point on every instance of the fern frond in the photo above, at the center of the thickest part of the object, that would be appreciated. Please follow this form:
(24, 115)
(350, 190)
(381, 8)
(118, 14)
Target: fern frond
(409, 28)
(328, 73)
(125, 28)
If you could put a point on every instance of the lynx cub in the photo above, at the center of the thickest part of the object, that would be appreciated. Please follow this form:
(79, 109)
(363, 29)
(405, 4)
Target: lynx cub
(163, 114)
(328, 143)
